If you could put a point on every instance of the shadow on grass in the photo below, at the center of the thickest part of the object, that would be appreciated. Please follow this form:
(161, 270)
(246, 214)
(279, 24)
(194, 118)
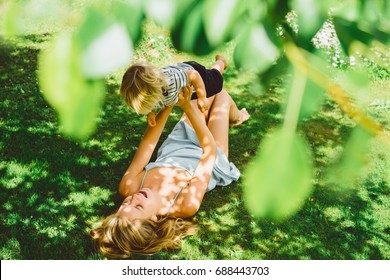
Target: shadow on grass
(53, 190)
(334, 223)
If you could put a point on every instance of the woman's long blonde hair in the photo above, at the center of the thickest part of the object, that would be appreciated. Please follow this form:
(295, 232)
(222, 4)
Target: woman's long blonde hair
(118, 237)
(142, 87)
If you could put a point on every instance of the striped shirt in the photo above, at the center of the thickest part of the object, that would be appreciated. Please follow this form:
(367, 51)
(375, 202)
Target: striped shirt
(176, 78)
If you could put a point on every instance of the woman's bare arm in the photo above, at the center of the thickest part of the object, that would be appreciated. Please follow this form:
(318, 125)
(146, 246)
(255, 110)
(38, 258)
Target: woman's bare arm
(144, 151)
(195, 191)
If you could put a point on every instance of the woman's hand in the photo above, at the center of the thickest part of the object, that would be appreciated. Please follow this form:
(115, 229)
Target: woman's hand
(184, 101)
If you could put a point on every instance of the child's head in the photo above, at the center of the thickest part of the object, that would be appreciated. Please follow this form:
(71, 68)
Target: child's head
(142, 87)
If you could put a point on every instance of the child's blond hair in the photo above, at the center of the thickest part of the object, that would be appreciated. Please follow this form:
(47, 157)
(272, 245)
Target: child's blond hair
(142, 87)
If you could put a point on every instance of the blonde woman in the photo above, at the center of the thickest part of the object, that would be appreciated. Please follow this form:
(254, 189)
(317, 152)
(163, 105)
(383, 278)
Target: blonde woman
(160, 195)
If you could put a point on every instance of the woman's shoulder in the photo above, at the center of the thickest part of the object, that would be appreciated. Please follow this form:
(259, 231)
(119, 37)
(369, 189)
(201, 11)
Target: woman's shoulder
(130, 185)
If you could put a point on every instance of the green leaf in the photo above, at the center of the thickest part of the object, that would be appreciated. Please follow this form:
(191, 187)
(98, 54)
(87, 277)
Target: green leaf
(112, 50)
(255, 50)
(356, 83)
(105, 44)
(94, 24)
(79, 120)
(167, 13)
(219, 18)
(276, 70)
(131, 14)
(348, 10)
(363, 21)
(271, 3)
(312, 98)
(374, 11)
(76, 100)
(348, 32)
(58, 65)
(277, 10)
(355, 156)
(189, 33)
(161, 11)
(310, 17)
(279, 179)
(257, 10)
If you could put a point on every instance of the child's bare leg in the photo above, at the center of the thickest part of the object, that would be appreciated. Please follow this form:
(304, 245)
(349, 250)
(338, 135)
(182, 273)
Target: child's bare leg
(203, 115)
(220, 63)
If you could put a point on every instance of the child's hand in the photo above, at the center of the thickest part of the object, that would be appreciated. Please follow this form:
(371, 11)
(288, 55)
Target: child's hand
(152, 119)
(203, 104)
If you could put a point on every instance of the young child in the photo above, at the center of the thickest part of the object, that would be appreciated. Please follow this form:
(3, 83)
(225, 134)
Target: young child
(145, 87)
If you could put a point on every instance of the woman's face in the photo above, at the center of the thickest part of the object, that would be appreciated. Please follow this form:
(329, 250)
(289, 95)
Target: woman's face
(142, 205)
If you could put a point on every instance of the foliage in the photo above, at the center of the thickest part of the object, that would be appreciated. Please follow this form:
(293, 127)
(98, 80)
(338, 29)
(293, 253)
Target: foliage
(72, 69)
(53, 190)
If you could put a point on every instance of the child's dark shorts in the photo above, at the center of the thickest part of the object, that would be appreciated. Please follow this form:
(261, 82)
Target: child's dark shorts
(212, 79)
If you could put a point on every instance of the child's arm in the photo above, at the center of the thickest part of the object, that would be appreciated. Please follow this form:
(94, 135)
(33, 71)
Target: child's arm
(197, 82)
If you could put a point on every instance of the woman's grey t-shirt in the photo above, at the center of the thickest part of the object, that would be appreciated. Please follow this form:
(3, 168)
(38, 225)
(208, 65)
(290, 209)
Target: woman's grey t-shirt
(181, 149)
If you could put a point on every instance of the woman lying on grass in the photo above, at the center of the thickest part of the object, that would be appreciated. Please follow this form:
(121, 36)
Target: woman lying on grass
(160, 195)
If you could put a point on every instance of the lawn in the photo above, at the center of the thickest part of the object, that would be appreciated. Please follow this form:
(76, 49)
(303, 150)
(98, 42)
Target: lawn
(53, 190)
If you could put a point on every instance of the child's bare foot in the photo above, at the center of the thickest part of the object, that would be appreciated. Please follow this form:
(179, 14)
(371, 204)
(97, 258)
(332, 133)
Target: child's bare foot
(244, 116)
(223, 59)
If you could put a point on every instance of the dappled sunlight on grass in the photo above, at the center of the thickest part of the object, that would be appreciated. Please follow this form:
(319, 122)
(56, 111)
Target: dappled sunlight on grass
(21, 175)
(11, 250)
(85, 202)
(53, 190)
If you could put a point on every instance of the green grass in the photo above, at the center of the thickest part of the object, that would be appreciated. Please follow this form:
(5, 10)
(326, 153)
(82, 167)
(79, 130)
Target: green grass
(53, 190)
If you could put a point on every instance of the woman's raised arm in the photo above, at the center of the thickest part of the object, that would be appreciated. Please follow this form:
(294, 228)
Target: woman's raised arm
(200, 180)
(144, 151)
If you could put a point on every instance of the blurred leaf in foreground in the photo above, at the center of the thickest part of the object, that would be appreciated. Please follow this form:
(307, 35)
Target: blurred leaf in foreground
(280, 178)
(219, 18)
(167, 13)
(76, 100)
(255, 50)
(105, 44)
(311, 16)
(132, 15)
(346, 171)
(189, 33)
(313, 96)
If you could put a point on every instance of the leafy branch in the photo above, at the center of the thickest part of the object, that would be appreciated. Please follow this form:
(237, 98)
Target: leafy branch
(300, 60)
(102, 36)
